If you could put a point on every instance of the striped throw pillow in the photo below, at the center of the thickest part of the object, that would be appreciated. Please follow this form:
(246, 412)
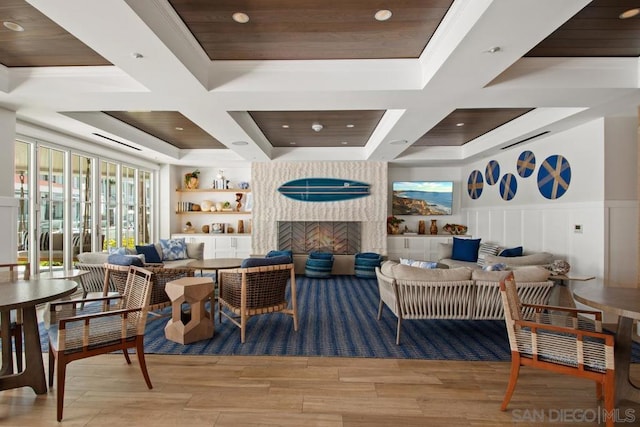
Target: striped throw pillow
(486, 249)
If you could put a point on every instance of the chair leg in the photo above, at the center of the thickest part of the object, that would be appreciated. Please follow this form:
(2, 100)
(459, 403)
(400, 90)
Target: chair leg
(398, 330)
(141, 360)
(599, 391)
(126, 356)
(380, 309)
(243, 326)
(513, 378)
(17, 339)
(52, 365)
(62, 370)
(609, 397)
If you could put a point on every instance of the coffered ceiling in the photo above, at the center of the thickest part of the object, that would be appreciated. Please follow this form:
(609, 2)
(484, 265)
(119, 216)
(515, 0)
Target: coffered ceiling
(439, 81)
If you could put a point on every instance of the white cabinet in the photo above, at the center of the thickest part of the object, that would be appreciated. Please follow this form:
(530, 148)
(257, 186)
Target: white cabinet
(221, 245)
(417, 247)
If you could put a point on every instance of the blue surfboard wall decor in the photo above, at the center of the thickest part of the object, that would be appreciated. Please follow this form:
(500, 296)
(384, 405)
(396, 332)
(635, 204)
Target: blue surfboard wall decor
(323, 189)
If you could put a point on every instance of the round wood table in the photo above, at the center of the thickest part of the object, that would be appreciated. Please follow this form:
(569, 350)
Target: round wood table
(215, 264)
(25, 295)
(625, 302)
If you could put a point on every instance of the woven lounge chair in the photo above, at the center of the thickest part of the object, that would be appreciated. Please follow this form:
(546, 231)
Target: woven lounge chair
(116, 277)
(564, 344)
(100, 328)
(9, 272)
(246, 292)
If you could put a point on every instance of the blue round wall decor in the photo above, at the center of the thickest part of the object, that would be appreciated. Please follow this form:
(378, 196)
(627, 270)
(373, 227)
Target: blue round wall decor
(508, 186)
(554, 177)
(526, 164)
(475, 184)
(492, 172)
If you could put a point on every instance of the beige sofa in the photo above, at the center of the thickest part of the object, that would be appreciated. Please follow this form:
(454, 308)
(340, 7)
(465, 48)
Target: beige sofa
(537, 258)
(195, 251)
(454, 293)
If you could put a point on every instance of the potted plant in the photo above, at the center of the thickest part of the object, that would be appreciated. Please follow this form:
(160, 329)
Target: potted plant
(191, 180)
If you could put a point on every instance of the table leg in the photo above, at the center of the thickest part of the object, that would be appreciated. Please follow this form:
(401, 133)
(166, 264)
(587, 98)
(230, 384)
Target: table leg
(33, 373)
(7, 354)
(625, 388)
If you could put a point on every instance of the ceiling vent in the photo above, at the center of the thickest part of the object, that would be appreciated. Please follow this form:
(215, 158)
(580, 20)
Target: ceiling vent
(117, 142)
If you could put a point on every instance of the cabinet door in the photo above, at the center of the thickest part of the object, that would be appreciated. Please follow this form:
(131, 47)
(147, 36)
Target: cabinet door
(415, 248)
(242, 245)
(396, 247)
(224, 247)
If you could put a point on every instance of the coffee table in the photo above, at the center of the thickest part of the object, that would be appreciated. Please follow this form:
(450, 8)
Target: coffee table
(215, 264)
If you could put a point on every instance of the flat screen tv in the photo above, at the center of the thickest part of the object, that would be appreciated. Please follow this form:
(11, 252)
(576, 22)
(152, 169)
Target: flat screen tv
(422, 198)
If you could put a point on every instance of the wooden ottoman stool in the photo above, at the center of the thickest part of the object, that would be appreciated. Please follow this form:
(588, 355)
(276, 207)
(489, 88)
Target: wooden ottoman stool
(188, 327)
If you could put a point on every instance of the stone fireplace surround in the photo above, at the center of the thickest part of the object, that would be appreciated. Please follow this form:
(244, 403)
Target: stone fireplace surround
(271, 207)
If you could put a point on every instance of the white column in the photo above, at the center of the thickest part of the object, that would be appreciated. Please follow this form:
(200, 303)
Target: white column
(8, 202)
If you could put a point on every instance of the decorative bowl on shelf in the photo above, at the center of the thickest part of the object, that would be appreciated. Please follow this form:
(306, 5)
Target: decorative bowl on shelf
(206, 205)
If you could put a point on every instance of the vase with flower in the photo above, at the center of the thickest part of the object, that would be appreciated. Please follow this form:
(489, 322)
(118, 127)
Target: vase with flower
(393, 225)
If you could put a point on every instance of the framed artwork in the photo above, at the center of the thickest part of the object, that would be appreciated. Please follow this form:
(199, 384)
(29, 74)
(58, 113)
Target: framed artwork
(492, 172)
(475, 184)
(508, 186)
(526, 164)
(554, 177)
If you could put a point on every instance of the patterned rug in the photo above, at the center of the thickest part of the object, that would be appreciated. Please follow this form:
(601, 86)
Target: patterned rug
(337, 317)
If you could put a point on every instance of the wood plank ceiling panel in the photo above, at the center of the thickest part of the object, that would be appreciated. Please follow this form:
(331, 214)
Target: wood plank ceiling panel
(595, 31)
(169, 126)
(464, 125)
(43, 43)
(311, 29)
(350, 128)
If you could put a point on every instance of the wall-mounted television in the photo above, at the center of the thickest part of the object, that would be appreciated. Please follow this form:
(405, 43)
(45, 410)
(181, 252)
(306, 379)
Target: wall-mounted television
(422, 198)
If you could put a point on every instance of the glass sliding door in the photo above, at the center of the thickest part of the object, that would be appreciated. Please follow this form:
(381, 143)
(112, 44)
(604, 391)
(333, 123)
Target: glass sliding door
(82, 203)
(128, 224)
(144, 207)
(22, 192)
(109, 211)
(51, 175)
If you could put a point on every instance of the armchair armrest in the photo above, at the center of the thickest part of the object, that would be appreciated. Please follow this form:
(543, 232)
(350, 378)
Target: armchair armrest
(88, 317)
(578, 333)
(86, 300)
(575, 311)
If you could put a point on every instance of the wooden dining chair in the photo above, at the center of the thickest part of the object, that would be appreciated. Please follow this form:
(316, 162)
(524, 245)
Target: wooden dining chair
(10, 272)
(99, 328)
(566, 344)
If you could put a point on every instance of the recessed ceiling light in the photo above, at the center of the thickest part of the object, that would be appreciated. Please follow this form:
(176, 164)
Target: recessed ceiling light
(494, 49)
(399, 142)
(351, 125)
(137, 55)
(460, 124)
(178, 128)
(629, 13)
(383, 15)
(292, 143)
(344, 142)
(240, 17)
(13, 26)
(239, 143)
(285, 126)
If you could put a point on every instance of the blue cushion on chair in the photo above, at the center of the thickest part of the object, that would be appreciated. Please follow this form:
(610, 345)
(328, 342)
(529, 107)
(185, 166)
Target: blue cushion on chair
(286, 252)
(259, 262)
(118, 259)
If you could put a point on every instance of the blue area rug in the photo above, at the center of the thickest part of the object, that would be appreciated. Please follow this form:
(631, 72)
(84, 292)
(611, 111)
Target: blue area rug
(337, 317)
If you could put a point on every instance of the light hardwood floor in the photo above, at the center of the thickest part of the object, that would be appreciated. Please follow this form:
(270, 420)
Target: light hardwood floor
(304, 391)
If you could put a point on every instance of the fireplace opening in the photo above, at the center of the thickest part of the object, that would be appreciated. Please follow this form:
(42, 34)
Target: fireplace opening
(337, 237)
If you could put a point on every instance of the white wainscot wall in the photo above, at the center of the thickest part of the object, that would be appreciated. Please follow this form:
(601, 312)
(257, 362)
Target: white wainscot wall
(547, 228)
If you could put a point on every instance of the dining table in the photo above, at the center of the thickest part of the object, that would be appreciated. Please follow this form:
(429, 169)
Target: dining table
(26, 295)
(625, 303)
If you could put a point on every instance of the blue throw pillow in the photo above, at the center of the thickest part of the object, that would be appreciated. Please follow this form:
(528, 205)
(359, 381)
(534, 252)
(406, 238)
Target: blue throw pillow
(511, 252)
(286, 252)
(173, 249)
(465, 249)
(259, 262)
(150, 253)
(118, 259)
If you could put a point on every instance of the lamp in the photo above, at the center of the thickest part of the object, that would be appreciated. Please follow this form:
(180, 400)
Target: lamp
(317, 127)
